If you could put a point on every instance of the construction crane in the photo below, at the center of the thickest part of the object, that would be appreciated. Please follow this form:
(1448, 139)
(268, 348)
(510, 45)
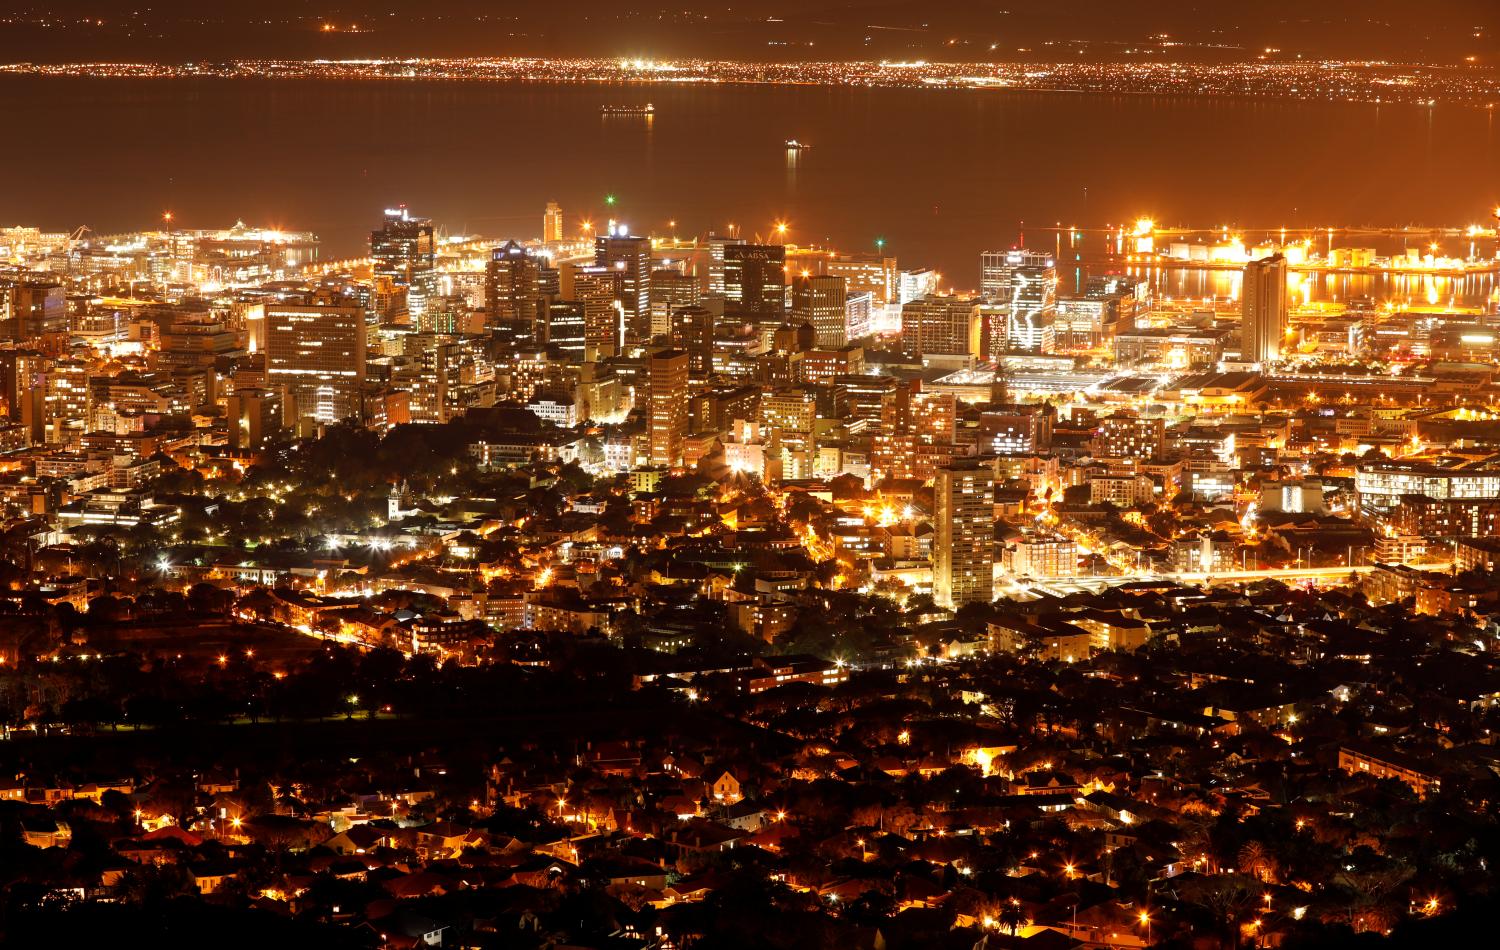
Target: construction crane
(74, 240)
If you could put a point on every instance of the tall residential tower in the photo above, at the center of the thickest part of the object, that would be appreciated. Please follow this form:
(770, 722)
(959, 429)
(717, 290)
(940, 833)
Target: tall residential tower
(963, 551)
(1263, 310)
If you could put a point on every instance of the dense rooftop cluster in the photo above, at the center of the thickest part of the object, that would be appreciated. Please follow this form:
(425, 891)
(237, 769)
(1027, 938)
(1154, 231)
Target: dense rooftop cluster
(618, 591)
(1274, 765)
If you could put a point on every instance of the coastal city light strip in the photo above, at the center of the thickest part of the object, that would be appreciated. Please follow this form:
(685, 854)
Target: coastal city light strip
(1328, 80)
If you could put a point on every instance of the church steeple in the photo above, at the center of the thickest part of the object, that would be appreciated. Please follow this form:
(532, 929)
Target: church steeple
(394, 502)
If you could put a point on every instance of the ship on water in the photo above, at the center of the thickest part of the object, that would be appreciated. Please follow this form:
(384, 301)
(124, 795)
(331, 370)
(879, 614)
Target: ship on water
(647, 110)
(796, 146)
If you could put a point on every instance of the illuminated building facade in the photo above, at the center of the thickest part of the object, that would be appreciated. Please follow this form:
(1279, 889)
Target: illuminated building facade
(1129, 437)
(552, 224)
(963, 549)
(941, 327)
(1382, 484)
(1263, 310)
(599, 290)
(755, 282)
(30, 309)
(670, 290)
(315, 354)
(820, 300)
(513, 292)
(667, 406)
(405, 250)
(1032, 304)
(629, 258)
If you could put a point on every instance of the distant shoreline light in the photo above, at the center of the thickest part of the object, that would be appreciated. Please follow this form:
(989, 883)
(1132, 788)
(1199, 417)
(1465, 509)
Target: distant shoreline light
(1362, 81)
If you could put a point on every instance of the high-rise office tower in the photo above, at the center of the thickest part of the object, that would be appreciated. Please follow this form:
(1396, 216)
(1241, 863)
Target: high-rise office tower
(597, 288)
(875, 274)
(670, 290)
(996, 268)
(552, 224)
(755, 282)
(819, 299)
(994, 275)
(630, 258)
(716, 245)
(693, 332)
(963, 549)
(1019, 290)
(667, 381)
(1032, 302)
(405, 250)
(941, 326)
(566, 329)
(315, 353)
(513, 293)
(1263, 310)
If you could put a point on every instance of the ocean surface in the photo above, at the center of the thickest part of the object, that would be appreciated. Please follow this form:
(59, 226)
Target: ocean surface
(937, 175)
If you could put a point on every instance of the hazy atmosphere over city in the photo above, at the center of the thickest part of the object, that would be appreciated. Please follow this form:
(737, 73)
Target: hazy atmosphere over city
(879, 475)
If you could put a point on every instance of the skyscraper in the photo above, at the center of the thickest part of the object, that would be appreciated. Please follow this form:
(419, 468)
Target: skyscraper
(630, 258)
(819, 299)
(994, 275)
(566, 329)
(755, 282)
(1263, 310)
(963, 550)
(1033, 304)
(1022, 284)
(597, 288)
(716, 245)
(552, 224)
(670, 290)
(692, 330)
(998, 268)
(667, 379)
(513, 292)
(315, 353)
(404, 249)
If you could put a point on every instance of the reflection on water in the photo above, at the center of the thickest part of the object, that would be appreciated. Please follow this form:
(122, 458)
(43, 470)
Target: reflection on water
(1316, 287)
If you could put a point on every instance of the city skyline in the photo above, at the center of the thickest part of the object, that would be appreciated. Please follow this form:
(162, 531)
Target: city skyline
(848, 474)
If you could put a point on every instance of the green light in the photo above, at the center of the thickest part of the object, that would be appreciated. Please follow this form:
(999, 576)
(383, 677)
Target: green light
(609, 199)
(880, 243)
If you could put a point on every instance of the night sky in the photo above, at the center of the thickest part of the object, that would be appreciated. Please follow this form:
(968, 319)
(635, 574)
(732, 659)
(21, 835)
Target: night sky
(175, 30)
